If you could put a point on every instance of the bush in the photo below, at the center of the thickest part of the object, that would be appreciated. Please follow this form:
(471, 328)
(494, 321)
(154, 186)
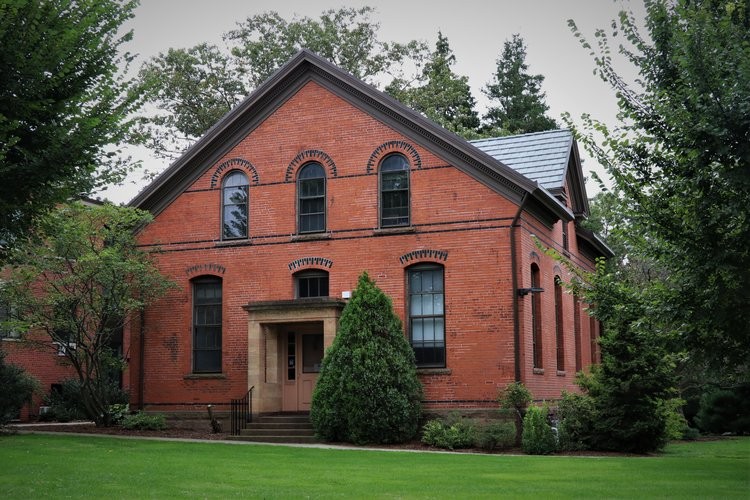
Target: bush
(496, 436)
(368, 390)
(725, 410)
(65, 404)
(690, 434)
(675, 421)
(452, 435)
(118, 412)
(145, 421)
(576, 414)
(538, 437)
(515, 397)
(16, 388)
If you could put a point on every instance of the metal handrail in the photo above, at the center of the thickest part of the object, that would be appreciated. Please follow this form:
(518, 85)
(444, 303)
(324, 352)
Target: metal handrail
(241, 412)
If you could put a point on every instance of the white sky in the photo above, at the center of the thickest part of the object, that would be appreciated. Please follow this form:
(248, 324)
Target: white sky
(476, 30)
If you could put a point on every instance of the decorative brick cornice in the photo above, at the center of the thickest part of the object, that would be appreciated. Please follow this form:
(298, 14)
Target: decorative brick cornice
(208, 268)
(231, 164)
(310, 261)
(307, 156)
(424, 254)
(394, 147)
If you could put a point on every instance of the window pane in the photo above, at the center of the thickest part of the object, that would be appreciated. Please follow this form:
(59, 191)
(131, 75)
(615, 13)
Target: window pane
(235, 221)
(415, 281)
(393, 163)
(437, 301)
(416, 305)
(416, 332)
(207, 326)
(395, 181)
(427, 305)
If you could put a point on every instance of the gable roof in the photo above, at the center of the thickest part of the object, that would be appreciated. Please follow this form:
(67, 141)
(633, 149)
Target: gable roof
(548, 158)
(306, 66)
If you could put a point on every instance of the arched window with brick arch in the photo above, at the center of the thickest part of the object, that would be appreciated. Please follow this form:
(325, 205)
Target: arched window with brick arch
(311, 198)
(311, 283)
(207, 324)
(234, 203)
(426, 306)
(394, 191)
(536, 319)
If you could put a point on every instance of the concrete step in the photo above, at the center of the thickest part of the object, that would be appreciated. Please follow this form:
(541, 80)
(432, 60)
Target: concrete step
(279, 428)
(276, 439)
(254, 431)
(279, 425)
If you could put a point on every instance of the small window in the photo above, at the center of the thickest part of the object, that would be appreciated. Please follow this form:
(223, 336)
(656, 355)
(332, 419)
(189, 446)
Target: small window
(394, 191)
(311, 284)
(207, 303)
(536, 319)
(234, 206)
(311, 193)
(6, 314)
(565, 241)
(427, 314)
(559, 329)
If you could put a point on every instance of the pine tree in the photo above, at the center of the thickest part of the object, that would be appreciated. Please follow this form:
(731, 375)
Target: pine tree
(445, 97)
(517, 100)
(368, 391)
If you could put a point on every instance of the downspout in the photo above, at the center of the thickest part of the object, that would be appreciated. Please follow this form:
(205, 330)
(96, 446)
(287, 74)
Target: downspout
(514, 278)
(142, 356)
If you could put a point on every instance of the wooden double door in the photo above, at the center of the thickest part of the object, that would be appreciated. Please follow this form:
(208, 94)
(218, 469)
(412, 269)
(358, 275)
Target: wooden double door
(302, 355)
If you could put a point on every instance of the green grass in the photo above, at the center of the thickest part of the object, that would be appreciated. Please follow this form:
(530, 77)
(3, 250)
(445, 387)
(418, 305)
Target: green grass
(35, 466)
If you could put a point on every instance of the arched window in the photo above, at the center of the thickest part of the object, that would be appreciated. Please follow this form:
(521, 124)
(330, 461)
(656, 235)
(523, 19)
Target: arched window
(311, 194)
(312, 283)
(577, 331)
(427, 314)
(234, 192)
(536, 319)
(394, 191)
(207, 304)
(559, 330)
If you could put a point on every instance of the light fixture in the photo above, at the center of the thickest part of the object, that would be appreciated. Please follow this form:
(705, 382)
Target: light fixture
(525, 291)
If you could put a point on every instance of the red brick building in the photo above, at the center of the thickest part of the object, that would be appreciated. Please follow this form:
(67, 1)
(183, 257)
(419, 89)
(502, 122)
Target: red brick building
(268, 220)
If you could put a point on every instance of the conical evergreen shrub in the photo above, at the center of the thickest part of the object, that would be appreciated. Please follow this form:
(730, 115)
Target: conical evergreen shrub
(368, 390)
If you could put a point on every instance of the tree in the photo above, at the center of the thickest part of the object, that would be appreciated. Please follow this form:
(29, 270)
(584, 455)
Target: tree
(681, 158)
(80, 278)
(63, 106)
(444, 97)
(192, 88)
(368, 391)
(16, 389)
(516, 100)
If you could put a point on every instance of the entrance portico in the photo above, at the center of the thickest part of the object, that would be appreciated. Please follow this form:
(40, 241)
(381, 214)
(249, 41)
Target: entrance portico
(286, 340)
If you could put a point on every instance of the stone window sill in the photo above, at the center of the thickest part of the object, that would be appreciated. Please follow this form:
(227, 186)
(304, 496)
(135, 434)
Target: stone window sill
(205, 376)
(394, 230)
(538, 371)
(311, 237)
(434, 371)
(561, 373)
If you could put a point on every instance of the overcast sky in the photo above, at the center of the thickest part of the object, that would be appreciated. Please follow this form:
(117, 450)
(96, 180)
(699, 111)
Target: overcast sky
(476, 30)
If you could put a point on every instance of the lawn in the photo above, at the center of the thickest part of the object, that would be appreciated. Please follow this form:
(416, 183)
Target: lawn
(35, 466)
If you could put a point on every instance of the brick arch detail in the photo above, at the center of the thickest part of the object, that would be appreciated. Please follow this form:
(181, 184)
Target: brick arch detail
(308, 156)
(424, 254)
(235, 163)
(307, 262)
(534, 257)
(386, 148)
(206, 268)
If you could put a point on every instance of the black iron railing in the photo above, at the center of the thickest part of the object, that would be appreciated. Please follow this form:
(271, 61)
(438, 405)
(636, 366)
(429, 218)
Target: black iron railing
(241, 412)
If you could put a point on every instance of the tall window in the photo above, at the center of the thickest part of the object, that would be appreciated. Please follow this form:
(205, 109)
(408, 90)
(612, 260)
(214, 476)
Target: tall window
(394, 191)
(234, 206)
(559, 331)
(311, 192)
(311, 284)
(6, 331)
(536, 319)
(427, 314)
(207, 325)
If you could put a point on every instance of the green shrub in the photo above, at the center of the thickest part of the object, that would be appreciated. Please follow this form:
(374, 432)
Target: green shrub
(515, 397)
(538, 437)
(725, 410)
(16, 388)
(65, 404)
(118, 412)
(496, 436)
(675, 421)
(690, 433)
(449, 435)
(576, 414)
(145, 421)
(368, 390)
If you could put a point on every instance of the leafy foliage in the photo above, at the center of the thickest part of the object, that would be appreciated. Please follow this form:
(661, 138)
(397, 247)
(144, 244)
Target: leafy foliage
(680, 158)
(496, 436)
(192, 88)
(577, 415)
(725, 410)
(516, 99)
(455, 434)
(444, 97)
(145, 421)
(64, 108)
(16, 389)
(538, 436)
(80, 278)
(516, 397)
(367, 391)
